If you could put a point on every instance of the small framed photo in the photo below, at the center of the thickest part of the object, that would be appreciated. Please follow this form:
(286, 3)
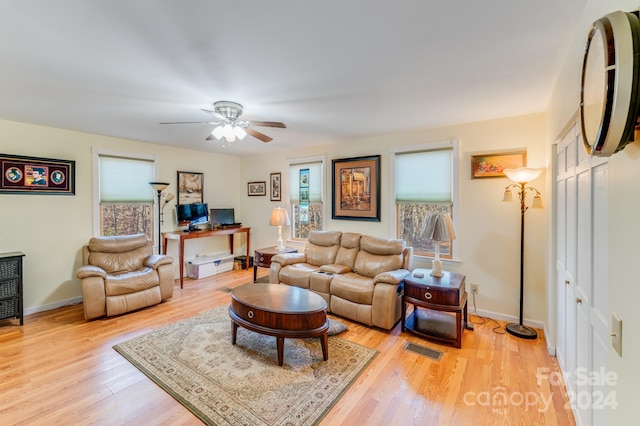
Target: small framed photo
(275, 187)
(190, 187)
(256, 188)
(34, 175)
(493, 165)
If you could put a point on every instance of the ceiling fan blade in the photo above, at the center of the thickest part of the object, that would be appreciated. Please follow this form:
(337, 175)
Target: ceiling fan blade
(190, 122)
(215, 114)
(268, 124)
(258, 135)
(209, 138)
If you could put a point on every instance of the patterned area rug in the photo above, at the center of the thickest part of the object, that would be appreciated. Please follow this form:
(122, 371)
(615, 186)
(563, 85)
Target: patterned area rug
(223, 384)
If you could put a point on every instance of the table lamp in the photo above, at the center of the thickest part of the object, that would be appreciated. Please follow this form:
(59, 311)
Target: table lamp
(280, 218)
(438, 227)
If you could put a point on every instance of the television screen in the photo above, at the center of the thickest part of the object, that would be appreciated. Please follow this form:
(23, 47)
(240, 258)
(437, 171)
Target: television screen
(192, 214)
(223, 216)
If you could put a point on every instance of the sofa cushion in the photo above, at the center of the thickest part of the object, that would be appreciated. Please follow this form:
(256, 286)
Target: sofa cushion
(322, 247)
(352, 287)
(131, 282)
(378, 255)
(297, 274)
(349, 246)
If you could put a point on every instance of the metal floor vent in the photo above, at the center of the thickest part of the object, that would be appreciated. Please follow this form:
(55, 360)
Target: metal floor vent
(224, 289)
(424, 351)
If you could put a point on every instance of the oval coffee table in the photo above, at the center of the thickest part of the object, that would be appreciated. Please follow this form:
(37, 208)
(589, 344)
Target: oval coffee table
(279, 310)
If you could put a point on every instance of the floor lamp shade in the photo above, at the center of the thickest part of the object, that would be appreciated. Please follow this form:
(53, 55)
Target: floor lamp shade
(279, 218)
(438, 227)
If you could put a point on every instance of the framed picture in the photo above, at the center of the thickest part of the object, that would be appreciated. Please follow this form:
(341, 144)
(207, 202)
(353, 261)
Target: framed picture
(257, 188)
(356, 188)
(190, 185)
(493, 165)
(34, 175)
(275, 187)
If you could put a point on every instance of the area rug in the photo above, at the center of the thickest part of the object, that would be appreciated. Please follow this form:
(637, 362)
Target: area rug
(195, 362)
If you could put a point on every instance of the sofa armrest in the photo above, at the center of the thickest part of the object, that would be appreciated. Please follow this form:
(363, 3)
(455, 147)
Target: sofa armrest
(88, 271)
(335, 269)
(285, 259)
(391, 277)
(156, 260)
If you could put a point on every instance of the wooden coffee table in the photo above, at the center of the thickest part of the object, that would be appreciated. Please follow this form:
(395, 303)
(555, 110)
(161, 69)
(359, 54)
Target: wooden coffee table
(279, 310)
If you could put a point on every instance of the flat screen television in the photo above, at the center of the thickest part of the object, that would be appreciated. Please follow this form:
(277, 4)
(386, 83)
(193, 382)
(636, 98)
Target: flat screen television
(192, 214)
(223, 216)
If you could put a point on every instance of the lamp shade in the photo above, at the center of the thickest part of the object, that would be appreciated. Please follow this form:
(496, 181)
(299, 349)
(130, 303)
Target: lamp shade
(159, 186)
(438, 227)
(523, 174)
(169, 197)
(279, 217)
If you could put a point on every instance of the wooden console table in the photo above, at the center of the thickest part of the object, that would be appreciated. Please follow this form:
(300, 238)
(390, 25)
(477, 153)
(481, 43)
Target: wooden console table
(181, 236)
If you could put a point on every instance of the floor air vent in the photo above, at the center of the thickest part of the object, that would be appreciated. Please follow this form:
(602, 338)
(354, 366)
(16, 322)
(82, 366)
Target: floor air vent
(424, 351)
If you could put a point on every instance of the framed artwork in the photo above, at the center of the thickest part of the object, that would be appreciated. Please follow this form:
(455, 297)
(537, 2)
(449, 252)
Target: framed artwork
(275, 187)
(256, 188)
(190, 185)
(493, 165)
(356, 188)
(34, 175)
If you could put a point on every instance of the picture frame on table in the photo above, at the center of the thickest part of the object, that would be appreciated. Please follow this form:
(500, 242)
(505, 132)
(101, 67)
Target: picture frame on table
(256, 188)
(493, 165)
(276, 186)
(190, 187)
(37, 175)
(356, 188)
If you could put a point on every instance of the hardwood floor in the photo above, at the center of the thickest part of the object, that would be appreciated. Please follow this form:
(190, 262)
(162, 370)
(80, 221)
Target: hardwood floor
(59, 369)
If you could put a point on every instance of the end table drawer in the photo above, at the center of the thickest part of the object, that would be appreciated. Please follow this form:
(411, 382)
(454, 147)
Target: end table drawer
(435, 295)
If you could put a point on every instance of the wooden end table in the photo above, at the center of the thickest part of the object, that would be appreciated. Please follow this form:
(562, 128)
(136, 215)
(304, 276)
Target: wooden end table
(262, 258)
(282, 311)
(438, 297)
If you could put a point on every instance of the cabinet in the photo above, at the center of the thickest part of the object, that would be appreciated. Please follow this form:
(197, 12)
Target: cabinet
(11, 286)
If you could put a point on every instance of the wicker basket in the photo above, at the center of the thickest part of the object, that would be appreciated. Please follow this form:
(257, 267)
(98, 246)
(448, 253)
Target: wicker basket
(8, 308)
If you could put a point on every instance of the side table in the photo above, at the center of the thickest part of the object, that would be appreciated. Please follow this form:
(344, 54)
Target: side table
(438, 297)
(262, 257)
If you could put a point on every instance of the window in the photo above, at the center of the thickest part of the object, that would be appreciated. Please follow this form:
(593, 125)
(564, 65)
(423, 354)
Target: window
(305, 186)
(125, 199)
(425, 181)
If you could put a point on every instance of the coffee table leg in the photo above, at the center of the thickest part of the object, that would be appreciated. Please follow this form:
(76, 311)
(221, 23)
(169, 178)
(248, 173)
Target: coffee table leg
(234, 330)
(324, 341)
(280, 343)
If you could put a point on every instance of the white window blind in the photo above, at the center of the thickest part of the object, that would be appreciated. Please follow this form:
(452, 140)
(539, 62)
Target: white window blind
(315, 181)
(424, 176)
(125, 180)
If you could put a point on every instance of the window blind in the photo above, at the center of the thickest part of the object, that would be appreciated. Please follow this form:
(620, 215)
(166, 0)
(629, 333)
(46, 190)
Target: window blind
(315, 181)
(424, 176)
(125, 180)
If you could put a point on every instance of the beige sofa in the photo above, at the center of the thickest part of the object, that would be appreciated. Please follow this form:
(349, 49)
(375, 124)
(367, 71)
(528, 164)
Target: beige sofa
(359, 276)
(121, 274)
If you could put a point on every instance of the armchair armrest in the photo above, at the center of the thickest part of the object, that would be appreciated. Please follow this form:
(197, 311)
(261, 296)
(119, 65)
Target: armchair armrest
(156, 260)
(285, 259)
(391, 277)
(88, 271)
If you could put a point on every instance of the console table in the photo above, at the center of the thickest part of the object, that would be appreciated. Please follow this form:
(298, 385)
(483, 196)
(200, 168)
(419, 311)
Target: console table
(439, 297)
(181, 236)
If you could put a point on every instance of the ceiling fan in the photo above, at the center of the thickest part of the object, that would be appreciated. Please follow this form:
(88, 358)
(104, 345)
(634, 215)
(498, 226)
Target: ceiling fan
(228, 125)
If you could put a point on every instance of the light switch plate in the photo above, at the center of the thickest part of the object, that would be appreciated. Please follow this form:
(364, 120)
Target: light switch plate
(616, 333)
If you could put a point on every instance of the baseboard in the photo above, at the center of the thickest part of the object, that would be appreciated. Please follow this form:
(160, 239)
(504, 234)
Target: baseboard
(55, 305)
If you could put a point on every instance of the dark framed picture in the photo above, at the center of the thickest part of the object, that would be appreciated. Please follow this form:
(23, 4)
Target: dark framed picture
(256, 188)
(275, 187)
(356, 188)
(35, 175)
(190, 186)
(493, 165)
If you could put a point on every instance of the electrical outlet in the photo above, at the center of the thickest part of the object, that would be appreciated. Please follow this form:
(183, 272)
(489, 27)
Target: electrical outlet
(474, 288)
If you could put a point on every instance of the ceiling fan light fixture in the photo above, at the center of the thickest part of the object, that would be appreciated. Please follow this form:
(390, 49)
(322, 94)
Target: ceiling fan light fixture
(240, 132)
(218, 132)
(229, 134)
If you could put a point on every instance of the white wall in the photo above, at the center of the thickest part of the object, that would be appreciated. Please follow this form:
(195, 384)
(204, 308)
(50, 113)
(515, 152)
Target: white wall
(489, 230)
(51, 229)
(624, 208)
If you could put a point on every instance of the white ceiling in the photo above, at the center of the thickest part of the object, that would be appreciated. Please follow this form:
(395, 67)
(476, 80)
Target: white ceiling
(331, 70)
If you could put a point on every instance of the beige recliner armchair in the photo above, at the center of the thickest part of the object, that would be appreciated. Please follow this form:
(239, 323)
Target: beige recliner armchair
(121, 274)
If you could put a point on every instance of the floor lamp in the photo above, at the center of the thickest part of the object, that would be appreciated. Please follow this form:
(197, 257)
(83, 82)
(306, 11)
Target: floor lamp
(159, 187)
(522, 176)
